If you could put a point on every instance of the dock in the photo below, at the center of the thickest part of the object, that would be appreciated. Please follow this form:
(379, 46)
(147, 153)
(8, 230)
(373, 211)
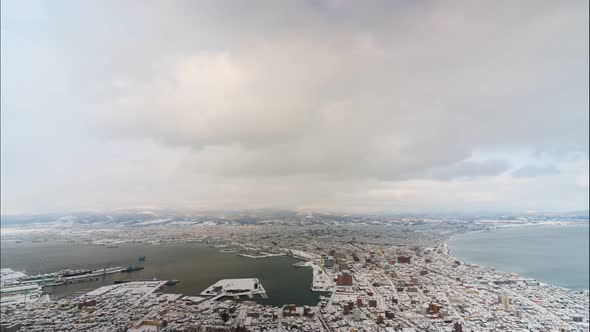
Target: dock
(264, 255)
(235, 288)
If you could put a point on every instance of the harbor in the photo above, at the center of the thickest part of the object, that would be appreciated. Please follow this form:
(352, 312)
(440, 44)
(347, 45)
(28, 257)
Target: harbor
(20, 287)
(179, 261)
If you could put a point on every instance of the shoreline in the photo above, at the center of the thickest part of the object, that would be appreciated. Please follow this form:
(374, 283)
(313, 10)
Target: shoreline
(447, 251)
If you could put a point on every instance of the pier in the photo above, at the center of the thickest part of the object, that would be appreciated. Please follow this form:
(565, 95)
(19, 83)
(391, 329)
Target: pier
(264, 255)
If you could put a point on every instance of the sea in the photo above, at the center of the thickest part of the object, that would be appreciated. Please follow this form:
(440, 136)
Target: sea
(196, 266)
(554, 254)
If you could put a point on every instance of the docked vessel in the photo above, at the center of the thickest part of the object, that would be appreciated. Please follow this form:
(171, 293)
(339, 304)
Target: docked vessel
(73, 273)
(132, 268)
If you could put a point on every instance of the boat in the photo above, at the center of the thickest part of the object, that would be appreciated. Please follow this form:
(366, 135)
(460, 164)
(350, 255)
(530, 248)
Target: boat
(132, 268)
(73, 273)
(141, 258)
(171, 282)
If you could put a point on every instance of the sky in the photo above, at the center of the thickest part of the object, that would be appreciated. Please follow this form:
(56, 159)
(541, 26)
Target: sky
(352, 106)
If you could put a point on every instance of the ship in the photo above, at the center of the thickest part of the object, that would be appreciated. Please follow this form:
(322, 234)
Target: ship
(132, 268)
(141, 258)
(73, 273)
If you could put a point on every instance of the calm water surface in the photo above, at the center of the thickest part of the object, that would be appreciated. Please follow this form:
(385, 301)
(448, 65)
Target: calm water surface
(556, 255)
(196, 266)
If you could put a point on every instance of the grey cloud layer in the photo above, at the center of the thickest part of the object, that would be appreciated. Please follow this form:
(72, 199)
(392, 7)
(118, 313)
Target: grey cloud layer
(328, 104)
(402, 91)
(531, 171)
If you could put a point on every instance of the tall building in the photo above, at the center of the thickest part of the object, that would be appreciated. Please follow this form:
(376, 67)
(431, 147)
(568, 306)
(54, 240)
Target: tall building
(356, 314)
(504, 300)
(328, 261)
(336, 268)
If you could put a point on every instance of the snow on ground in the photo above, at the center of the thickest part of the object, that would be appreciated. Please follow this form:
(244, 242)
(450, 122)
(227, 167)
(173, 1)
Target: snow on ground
(154, 221)
(234, 286)
(7, 274)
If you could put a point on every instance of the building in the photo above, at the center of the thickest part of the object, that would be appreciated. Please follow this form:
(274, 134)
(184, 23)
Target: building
(148, 325)
(346, 310)
(433, 308)
(504, 300)
(344, 279)
(89, 303)
(10, 327)
(404, 259)
(307, 311)
(328, 261)
(289, 310)
(380, 320)
(356, 314)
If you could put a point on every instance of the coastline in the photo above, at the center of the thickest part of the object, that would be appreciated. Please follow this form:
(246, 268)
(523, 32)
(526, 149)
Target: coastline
(447, 251)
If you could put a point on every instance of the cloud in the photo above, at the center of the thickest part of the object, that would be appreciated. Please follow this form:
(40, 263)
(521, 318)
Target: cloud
(532, 171)
(584, 181)
(329, 104)
(470, 170)
(373, 102)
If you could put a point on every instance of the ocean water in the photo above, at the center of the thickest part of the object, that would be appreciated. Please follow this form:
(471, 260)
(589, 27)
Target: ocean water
(196, 266)
(556, 255)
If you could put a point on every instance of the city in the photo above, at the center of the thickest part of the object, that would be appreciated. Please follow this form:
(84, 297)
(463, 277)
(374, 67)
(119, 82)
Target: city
(389, 274)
